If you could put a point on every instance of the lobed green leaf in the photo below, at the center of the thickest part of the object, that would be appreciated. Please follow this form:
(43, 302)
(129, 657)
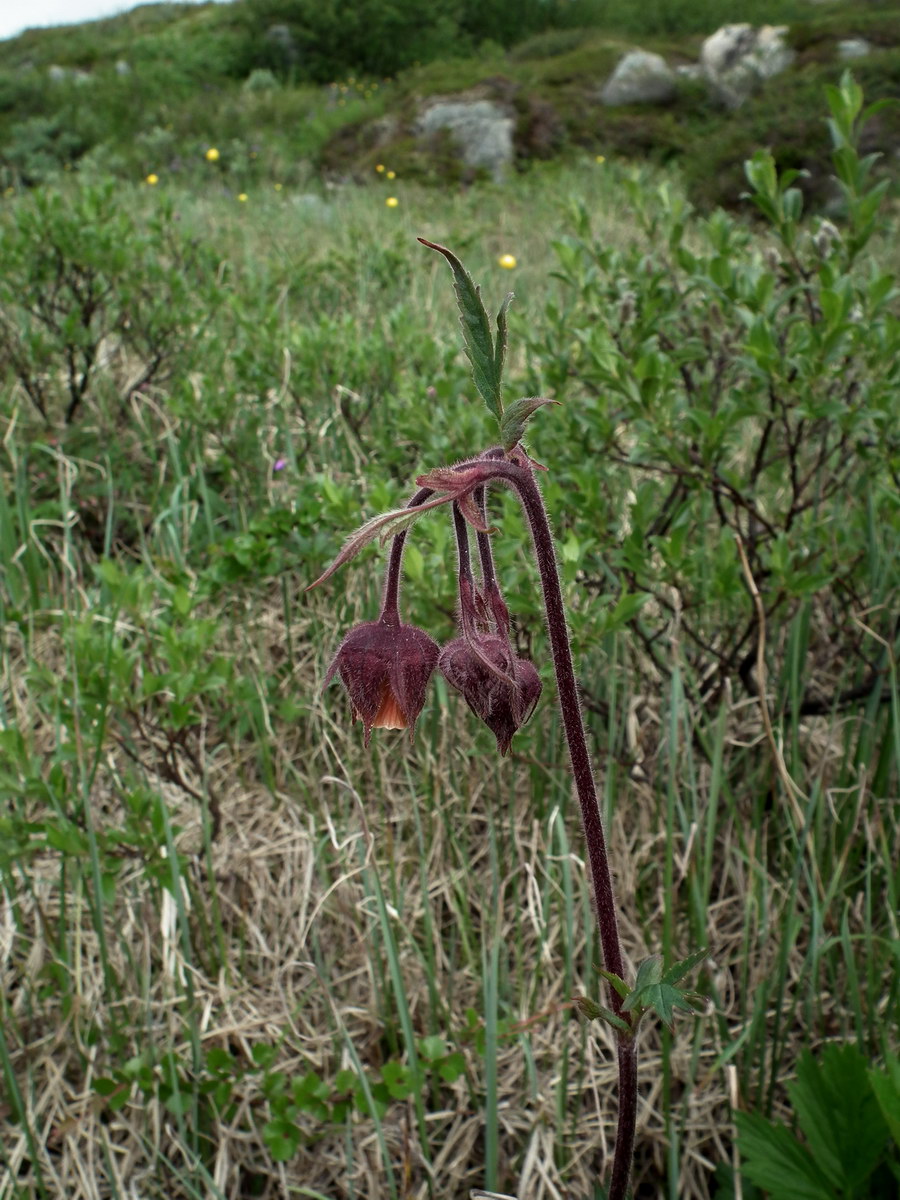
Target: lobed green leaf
(486, 362)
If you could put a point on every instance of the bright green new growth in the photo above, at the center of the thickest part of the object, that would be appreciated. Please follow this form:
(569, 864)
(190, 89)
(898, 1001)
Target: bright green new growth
(486, 355)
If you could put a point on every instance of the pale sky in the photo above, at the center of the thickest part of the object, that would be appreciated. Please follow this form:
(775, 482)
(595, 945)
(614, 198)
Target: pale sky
(16, 15)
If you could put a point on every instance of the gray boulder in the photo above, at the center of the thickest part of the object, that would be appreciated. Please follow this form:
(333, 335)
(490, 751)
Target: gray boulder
(482, 130)
(851, 48)
(640, 78)
(282, 45)
(738, 59)
(58, 74)
(726, 47)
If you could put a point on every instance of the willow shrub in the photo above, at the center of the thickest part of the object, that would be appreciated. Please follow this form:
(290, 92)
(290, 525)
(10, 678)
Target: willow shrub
(743, 383)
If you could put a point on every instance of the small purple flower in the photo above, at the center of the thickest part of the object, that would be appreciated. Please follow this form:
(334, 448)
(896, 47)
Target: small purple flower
(279, 464)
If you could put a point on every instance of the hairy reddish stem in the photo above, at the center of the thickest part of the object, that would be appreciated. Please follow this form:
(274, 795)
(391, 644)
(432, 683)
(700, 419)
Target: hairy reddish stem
(390, 600)
(498, 468)
(523, 481)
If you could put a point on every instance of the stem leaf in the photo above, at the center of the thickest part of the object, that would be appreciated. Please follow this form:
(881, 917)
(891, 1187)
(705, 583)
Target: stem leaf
(384, 526)
(479, 344)
(597, 1012)
(500, 343)
(616, 982)
(517, 416)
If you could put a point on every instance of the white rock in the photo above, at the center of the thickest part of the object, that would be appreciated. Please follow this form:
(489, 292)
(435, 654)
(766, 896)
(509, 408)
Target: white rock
(854, 48)
(482, 130)
(640, 78)
(725, 47)
(738, 59)
(772, 55)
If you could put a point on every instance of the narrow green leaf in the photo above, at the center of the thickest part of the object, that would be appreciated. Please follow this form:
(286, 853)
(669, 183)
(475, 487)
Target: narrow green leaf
(501, 339)
(615, 981)
(517, 416)
(877, 106)
(598, 1012)
(588, 1007)
(649, 972)
(476, 329)
(658, 997)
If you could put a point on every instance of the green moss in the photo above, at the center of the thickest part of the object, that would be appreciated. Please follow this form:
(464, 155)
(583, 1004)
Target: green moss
(549, 44)
(450, 76)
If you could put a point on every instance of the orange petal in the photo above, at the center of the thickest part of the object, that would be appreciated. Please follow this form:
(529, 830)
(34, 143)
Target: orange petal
(389, 715)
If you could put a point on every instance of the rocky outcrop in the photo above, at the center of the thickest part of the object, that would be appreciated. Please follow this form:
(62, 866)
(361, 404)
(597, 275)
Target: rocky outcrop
(613, 99)
(640, 78)
(737, 60)
(734, 62)
(481, 129)
(57, 74)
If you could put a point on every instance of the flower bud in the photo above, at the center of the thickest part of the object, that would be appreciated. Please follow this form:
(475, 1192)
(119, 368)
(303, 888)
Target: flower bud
(627, 307)
(504, 708)
(826, 236)
(385, 667)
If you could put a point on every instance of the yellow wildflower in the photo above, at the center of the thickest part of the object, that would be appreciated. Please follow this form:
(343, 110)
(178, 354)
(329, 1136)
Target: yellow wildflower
(391, 175)
(212, 154)
(392, 202)
(508, 261)
(152, 179)
(601, 158)
(242, 198)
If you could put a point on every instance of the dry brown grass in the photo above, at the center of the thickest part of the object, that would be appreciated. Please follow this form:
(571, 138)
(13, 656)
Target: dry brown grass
(304, 965)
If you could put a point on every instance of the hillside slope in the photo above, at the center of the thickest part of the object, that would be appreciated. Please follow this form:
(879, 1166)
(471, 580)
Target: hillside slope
(148, 92)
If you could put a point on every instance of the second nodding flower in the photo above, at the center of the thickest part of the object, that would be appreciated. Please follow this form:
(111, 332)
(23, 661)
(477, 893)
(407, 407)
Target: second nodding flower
(503, 697)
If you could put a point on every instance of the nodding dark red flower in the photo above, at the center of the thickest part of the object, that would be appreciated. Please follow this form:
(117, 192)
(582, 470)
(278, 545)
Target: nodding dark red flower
(385, 667)
(504, 708)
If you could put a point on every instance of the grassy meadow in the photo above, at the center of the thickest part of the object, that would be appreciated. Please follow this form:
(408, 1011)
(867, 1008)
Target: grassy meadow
(240, 954)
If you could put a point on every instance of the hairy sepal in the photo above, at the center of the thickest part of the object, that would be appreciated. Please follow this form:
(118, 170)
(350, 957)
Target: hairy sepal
(385, 526)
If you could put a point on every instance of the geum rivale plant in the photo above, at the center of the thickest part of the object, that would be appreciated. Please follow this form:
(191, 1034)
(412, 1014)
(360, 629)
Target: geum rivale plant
(386, 664)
